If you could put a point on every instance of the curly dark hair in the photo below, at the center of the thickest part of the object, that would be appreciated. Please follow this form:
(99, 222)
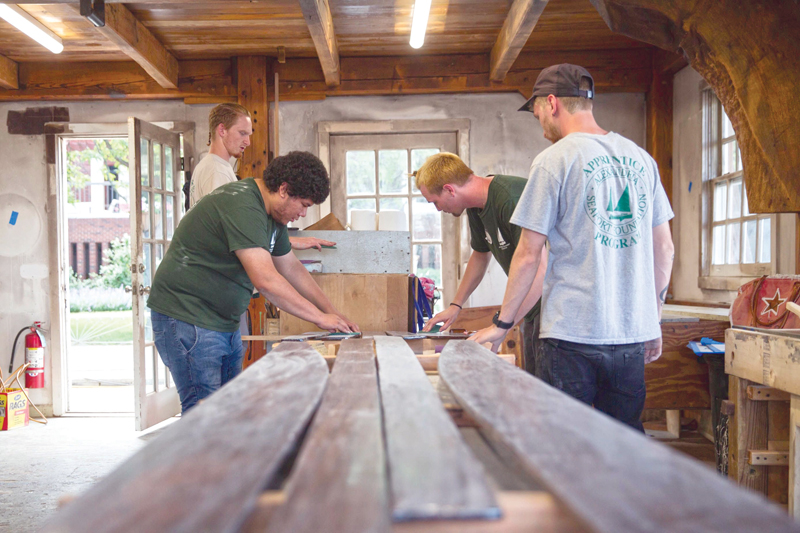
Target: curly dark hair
(304, 174)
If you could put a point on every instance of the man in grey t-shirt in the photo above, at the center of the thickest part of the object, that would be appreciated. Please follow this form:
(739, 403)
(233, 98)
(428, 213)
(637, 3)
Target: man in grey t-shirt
(597, 197)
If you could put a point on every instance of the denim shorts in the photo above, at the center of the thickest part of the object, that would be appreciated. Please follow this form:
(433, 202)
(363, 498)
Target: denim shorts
(610, 377)
(200, 360)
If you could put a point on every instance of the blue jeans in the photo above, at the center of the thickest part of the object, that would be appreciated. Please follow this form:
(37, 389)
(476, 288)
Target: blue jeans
(610, 377)
(200, 360)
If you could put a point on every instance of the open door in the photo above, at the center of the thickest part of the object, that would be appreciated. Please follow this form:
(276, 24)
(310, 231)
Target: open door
(154, 156)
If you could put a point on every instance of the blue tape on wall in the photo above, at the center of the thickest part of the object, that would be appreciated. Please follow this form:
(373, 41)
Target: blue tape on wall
(14, 216)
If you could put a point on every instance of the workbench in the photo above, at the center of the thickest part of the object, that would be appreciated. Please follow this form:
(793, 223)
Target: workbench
(764, 412)
(378, 446)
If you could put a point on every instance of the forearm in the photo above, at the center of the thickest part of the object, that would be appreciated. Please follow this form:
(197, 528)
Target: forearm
(301, 280)
(663, 257)
(520, 280)
(283, 295)
(535, 294)
(476, 269)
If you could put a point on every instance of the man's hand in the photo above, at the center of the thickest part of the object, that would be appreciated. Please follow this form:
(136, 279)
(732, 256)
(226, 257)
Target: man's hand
(306, 243)
(448, 316)
(492, 334)
(652, 350)
(352, 325)
(333, 323)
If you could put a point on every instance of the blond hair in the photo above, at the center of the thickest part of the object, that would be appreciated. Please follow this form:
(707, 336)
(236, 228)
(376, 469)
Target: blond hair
(225, 114)
(441, 169)
(571, 104)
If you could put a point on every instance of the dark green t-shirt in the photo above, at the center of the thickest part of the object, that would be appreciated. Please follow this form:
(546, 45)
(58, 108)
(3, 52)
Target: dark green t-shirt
(200, 280)
(491, 229)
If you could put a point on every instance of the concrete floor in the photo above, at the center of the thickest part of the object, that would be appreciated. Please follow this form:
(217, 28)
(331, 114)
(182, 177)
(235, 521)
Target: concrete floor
(40, 464)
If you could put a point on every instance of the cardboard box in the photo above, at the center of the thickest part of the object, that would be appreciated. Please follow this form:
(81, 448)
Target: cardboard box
(14, 410)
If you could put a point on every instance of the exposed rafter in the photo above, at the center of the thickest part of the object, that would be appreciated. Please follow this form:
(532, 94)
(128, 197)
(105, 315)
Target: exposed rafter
(123, 29)
(320, 24)
(521, 19)
(9, 73)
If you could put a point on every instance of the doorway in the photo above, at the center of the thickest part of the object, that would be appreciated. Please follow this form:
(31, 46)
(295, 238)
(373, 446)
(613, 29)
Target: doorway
(96, 203)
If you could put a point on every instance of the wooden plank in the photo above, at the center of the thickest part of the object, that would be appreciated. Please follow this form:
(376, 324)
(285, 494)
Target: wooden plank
(320, 25)
(9, 73)
(136, 41)
(760, 393)
(522, 18)
(794, 482)
(572, 449)
(764, 358)
(778, 441)
(432, 471)
(252, 88)
(658, 112)
(207, 471)
(376, 302)
(747, 430)
(767, 458)
(674, 423)
(338, 483)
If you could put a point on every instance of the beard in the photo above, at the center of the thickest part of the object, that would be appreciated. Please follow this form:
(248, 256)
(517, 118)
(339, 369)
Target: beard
(552, 133)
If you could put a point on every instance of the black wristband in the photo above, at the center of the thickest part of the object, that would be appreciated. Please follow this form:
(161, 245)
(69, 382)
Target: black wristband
(499, 323)
(453, 303)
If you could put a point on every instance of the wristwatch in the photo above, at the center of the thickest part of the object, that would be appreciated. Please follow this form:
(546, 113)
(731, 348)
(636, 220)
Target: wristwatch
(499, 323)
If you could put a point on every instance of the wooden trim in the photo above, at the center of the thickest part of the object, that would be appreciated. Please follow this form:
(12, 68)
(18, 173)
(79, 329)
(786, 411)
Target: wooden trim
(252, 80)
(320, 25)
(135, 40)
(767, 458)
(797, 246)
(760, 393)
(517, 28)
(722, 283)
(659, 117)
(9, 73)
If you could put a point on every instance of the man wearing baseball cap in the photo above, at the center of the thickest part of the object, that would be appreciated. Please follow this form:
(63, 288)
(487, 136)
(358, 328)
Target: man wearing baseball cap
(598, 199)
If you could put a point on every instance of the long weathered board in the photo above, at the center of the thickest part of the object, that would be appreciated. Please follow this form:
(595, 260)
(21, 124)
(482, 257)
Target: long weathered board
(768, 358)
(206, 471)
(432, 471)
(338, 483)
(611, 477)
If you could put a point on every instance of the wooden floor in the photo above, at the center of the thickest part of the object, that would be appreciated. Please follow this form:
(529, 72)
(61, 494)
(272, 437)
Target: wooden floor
(691, 443)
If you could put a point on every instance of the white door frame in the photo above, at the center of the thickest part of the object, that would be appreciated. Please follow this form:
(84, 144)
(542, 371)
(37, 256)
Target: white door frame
(57, 244)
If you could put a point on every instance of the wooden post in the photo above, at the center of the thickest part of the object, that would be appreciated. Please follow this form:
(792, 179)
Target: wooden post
(794, 421)
(777, 435)
(252, 79)
(747, 430)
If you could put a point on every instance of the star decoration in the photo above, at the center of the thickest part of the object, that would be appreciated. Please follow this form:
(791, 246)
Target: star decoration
(773, 303)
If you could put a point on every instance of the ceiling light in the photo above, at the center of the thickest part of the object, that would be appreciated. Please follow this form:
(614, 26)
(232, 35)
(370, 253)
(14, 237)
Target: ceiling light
(419, 22)
(31, 27)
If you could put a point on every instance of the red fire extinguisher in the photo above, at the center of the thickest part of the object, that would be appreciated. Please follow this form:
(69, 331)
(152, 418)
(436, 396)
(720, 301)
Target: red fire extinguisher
(34, 356)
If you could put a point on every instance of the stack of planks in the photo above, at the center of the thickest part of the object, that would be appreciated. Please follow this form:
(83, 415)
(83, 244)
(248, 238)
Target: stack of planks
(382, 454)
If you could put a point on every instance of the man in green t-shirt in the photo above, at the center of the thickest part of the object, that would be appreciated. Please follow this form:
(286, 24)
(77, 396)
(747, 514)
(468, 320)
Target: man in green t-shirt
(232, 240)
(448, 183)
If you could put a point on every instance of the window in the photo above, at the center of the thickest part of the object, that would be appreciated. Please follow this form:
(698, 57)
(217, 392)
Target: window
(738, 242)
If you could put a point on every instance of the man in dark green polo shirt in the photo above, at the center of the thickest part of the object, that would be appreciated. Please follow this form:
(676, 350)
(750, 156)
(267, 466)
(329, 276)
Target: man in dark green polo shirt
(445, 181)
(232, 240)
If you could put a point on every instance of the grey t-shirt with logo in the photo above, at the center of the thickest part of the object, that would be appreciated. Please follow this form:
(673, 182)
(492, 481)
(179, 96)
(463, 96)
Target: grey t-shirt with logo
(596, 198)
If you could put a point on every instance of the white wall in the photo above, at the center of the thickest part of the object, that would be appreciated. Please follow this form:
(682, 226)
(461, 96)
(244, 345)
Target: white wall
(502, 140)
(687, 170)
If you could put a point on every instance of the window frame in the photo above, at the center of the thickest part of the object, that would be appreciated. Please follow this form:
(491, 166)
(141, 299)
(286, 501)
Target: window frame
(726, 276)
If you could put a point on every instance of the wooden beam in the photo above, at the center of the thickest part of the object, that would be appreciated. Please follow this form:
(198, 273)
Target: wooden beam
(766, 394)
(135, 40)
(252, 88)
(521, 19)
(747, 430)
(9, 73)
(659, 118)
(767, 458)
(749, 54)
(320, 25)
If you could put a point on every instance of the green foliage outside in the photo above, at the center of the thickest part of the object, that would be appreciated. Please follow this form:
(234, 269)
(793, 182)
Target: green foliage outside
(113, 153)
(104, 291)
(114, 327)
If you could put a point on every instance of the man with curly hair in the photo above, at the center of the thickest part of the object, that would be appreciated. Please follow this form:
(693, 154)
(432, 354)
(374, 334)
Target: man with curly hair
(233, 240)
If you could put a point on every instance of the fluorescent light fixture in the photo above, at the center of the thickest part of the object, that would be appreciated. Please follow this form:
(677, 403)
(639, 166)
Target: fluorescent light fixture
(419, 22)
(20, 19)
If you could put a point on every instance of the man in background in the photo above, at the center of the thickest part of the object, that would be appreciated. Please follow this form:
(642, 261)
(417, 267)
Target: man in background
(445, 181)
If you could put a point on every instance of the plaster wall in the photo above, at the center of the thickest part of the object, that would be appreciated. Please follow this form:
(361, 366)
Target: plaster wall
(687, 197)
(502, 140)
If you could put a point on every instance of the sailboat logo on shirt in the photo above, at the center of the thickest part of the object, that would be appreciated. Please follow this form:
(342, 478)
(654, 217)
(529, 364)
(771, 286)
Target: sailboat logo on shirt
(616, 199)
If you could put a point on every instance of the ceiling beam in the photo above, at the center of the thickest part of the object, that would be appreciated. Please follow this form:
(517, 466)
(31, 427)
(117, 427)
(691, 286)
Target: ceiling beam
(521, 19)
(9, 73)
(132, 38)
(320, 24)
